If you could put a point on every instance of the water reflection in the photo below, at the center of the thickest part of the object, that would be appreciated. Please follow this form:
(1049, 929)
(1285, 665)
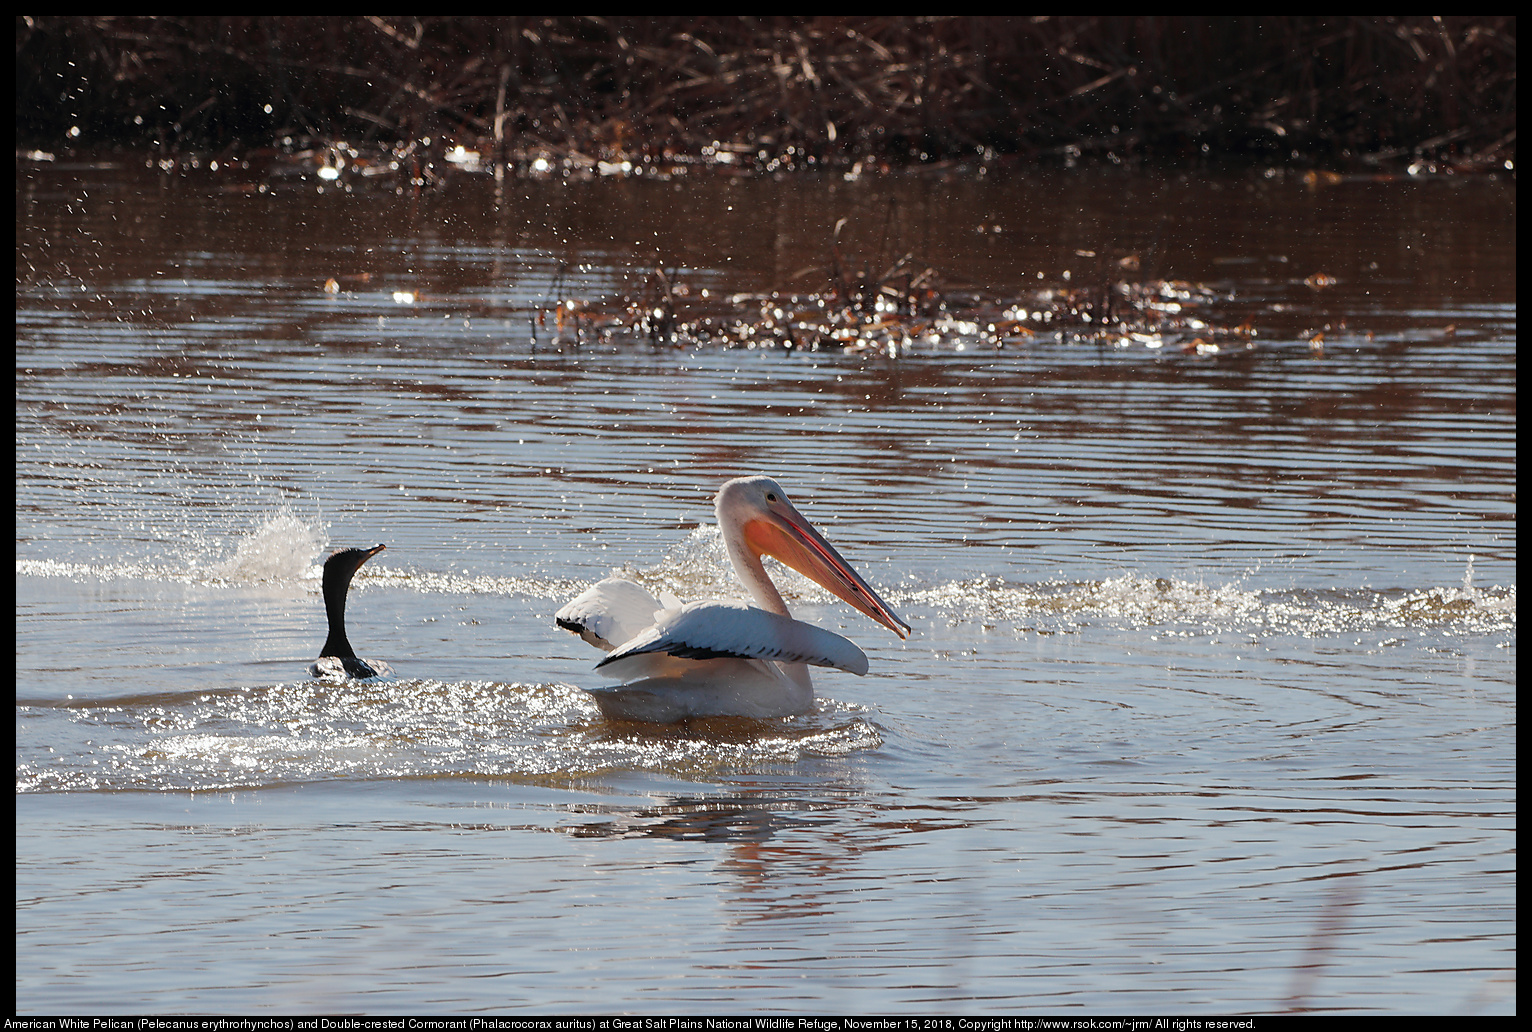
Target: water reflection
(710, 819)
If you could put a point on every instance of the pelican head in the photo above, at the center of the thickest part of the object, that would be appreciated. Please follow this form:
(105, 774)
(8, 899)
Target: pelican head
(757, 519)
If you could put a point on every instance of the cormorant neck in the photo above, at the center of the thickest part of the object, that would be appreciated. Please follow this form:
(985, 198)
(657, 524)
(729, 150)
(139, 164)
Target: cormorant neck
(336, 644)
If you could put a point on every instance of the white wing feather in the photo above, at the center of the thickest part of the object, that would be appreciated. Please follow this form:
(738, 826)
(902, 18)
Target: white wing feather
(733, 630)
(610, 612)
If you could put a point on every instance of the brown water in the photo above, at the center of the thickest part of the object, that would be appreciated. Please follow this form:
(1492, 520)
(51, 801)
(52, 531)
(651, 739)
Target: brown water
(1210, 701)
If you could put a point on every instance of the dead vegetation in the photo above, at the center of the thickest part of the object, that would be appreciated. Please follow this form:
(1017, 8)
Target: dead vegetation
(620, 95)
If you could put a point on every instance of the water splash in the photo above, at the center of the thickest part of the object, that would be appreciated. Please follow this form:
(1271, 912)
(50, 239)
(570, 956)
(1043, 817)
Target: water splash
(1139, 601)
(281, 548)
(285, 546)
(325, 731)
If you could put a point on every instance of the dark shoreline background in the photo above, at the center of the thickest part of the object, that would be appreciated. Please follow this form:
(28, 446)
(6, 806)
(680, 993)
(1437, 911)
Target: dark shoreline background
(781, 93)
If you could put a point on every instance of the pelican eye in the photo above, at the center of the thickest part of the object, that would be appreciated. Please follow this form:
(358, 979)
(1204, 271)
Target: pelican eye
(771, 496)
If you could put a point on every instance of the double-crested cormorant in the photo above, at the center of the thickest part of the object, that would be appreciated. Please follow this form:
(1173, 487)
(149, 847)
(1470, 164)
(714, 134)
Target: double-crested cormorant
(337, 659)
(717, 658)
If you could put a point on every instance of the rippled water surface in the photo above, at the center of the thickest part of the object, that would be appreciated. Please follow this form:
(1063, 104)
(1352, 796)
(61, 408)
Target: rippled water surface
(1210, 700)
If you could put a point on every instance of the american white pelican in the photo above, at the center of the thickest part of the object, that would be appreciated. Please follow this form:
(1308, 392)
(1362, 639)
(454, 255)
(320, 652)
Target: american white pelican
(337, 659)
(715, 658)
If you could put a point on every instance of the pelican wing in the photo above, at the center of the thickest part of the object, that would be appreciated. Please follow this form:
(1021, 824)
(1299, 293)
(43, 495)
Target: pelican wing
(610, 612)
(732, 630)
